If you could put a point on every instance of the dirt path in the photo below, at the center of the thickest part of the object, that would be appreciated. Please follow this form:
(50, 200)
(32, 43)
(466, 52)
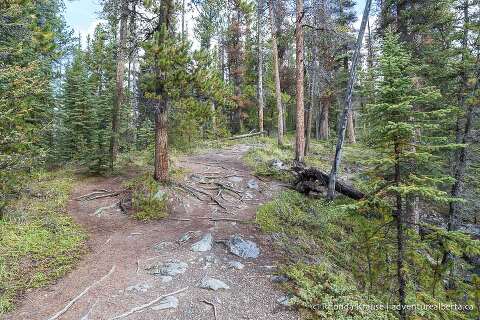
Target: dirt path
(124, 249)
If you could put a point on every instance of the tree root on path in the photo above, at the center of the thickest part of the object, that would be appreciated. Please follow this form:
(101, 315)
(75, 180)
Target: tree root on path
(98, 194)
(143, 306)
(65, 309)
(214, 308)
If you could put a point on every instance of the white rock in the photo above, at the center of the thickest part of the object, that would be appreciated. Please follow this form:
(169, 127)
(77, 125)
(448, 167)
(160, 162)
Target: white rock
(170, 302)
(213, 284)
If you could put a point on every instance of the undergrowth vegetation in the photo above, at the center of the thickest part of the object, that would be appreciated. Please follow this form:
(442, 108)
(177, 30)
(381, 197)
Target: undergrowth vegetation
(341, 255)
(39, 241)
(149, 200)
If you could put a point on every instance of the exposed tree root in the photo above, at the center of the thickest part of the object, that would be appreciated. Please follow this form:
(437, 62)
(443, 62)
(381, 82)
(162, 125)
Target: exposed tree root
(59, 313)
(143, 306)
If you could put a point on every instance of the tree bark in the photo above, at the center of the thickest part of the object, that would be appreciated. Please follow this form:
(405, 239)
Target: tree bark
(120, 73)
(324, 129)
(462, 134)
(309, 112)
(300, 125)
(161, 112)
(261, 103)
(400, 240)
(351, 128)
(276, 74)
(348, 102)
(161, 145)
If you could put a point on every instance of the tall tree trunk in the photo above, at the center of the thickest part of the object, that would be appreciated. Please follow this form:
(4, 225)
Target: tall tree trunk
(300, 125)
(400, 240)
(324, 129)
(309, 112)
(161, 144)
(161, 109)
(261, 103)
(117, 103)
(348, 103)
(462, 133)
(276, 74)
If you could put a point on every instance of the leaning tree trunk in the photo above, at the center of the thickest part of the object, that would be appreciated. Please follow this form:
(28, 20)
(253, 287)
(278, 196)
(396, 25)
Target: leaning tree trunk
(348, 103)
(261, 103)
(119, 82)
(276, 73)
(300, 125)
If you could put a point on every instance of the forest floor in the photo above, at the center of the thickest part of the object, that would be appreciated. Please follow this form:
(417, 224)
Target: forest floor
(116, 275)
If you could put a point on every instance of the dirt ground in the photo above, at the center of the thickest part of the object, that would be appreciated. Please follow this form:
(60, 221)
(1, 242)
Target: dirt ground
(121, 249)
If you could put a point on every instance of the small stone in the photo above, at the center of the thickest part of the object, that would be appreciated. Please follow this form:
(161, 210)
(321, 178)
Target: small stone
(213, 284)
(235, 179)
(278, 164)
(284, 301)
(162, 245)
(170, 302)
(140, 287)
(243, 248)
(170, 268)
(188, 235)
(253, 184)
(236, 265)
(165, 279)
(205, 244)
(211, 259)
(279, 279)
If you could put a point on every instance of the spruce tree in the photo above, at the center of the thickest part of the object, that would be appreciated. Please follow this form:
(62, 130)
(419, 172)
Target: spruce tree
(402, 107)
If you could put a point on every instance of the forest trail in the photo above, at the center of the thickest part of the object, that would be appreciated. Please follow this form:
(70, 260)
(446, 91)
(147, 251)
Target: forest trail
(123, 253)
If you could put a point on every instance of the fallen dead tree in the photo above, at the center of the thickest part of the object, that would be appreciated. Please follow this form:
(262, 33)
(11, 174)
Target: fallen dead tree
(309, 179)
(247, 135)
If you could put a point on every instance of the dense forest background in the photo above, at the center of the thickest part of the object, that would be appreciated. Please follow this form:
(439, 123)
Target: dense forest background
(391, 96)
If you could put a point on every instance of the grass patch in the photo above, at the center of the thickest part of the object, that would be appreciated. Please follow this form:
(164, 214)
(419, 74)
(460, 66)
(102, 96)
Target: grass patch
(39, 241)
(149, 200)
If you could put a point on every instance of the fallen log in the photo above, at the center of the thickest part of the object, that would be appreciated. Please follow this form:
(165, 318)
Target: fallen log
(246, 135)
(310, 179)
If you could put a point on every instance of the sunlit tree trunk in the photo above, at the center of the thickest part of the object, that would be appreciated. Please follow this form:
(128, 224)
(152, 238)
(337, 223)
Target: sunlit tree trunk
(300, 125)
(276, 74)
(118, 100)
(261, 104)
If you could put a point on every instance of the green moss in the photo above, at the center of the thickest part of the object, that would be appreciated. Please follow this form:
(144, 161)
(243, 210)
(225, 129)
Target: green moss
(148, 200)
(40, 242)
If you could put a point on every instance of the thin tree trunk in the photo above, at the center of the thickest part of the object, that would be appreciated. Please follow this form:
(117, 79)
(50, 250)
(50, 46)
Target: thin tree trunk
(261, 103)
(276, 74)
(348, 103)
(300, 125)
(310, 111)
(400, 240)
(117, 103)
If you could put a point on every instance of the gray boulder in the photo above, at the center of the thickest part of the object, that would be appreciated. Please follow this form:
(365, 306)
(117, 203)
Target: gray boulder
(243, 248)
(235, 265)
(253, 184)
(205, 244)
(170, 268)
